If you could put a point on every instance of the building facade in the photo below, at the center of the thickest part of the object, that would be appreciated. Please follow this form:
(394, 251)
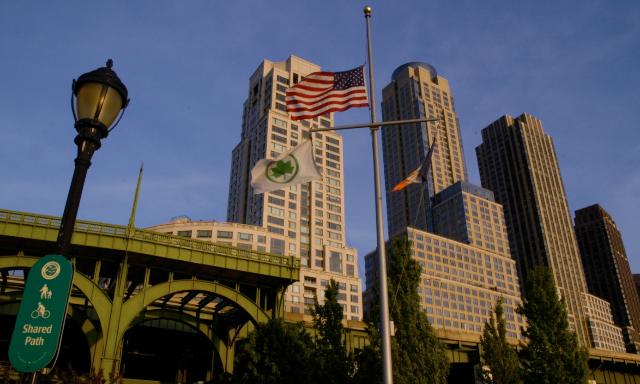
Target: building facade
(310, 216)
(417, 91)
(518, 162)
(460, 284)
(604, 333)
(607, 269)
(300, 296)
(456, 228)
(466, 265)
(469, 214)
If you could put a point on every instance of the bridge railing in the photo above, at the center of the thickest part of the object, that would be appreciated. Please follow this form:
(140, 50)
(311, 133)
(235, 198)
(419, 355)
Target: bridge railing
(150, 236)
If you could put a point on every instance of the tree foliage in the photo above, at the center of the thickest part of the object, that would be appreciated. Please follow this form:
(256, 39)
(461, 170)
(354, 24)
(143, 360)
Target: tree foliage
(418, 355)
(552, 354)
(368, 360)
(275, 353)
(333, 363)
(498, 356)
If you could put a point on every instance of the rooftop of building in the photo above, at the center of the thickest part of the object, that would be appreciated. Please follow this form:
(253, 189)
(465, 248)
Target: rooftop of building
(415, 64)
(463, 186)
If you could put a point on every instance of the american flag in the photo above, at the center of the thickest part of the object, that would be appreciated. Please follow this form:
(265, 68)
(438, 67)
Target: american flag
(324, 92)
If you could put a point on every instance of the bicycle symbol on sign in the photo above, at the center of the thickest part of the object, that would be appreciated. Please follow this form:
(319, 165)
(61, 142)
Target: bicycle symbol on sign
(41, 311)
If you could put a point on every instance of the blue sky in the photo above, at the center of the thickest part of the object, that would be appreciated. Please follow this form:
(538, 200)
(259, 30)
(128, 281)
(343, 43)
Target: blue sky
(573, 64)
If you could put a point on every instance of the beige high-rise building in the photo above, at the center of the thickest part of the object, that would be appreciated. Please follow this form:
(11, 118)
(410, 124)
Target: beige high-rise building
(457, 230)
(310, 216)
(466, 265)
(416, 91)
(518, 163)
(469, 214)
(603, 332)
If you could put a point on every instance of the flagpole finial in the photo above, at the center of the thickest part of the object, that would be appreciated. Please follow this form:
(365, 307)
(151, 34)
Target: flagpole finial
(367, 11)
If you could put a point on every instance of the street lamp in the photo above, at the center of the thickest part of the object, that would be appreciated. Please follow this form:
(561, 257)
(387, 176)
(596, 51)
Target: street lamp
(100, 100)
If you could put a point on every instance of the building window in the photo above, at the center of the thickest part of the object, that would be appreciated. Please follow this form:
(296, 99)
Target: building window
(335, 227)
(184, 233)
(277, 212)
(279, 123)
(335, 262)
(245, 236)
(351, 270)
(277, 246)
(282, 80)
(332, 164)
(281, 131)
(225, 235)
(277, 230)
(202, 233)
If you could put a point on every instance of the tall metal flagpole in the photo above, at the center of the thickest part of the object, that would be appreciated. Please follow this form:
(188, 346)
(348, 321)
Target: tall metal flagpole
(384, 297)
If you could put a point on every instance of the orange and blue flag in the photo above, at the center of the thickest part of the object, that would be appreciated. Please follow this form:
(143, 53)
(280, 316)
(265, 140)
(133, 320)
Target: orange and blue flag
(420, 174)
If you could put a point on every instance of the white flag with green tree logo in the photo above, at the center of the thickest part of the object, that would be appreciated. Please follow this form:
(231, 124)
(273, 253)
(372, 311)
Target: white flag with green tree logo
(293, 167)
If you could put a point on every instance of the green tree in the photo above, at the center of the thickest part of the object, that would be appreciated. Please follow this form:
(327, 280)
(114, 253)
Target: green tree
(332, 361)
(368, 360)
(275, 353)
(552, 354)
(498, 356)
(418, 355)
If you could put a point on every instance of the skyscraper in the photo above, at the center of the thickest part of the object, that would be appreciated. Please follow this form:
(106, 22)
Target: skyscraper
(310, 216)
(607, 269)
(518, 163)
(456, 229)
(417, 91)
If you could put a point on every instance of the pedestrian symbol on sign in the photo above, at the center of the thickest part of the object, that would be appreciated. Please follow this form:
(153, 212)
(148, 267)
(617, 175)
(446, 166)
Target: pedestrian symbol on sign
(45, 292)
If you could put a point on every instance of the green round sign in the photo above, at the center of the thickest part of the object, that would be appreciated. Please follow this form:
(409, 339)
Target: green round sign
(36, 336)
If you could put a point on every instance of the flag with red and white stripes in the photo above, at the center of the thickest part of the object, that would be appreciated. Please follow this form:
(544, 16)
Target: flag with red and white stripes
(324, 92)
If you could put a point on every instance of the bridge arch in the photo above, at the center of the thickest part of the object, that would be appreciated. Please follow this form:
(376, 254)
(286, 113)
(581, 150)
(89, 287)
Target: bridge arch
(134, 306)
(185, 318)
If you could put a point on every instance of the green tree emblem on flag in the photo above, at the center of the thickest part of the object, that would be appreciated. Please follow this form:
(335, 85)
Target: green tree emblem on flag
(283, 171)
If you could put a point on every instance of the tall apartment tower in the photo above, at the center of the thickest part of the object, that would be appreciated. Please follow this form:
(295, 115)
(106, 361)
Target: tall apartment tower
(417, 91)
(518, 163)
(456, 229)
(311, 216)
(607, 269)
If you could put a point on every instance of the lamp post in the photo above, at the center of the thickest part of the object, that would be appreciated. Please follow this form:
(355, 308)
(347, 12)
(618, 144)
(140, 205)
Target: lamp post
(100, 100)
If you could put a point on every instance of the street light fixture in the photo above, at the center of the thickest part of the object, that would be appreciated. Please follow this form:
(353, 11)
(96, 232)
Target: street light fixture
(100, 100)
